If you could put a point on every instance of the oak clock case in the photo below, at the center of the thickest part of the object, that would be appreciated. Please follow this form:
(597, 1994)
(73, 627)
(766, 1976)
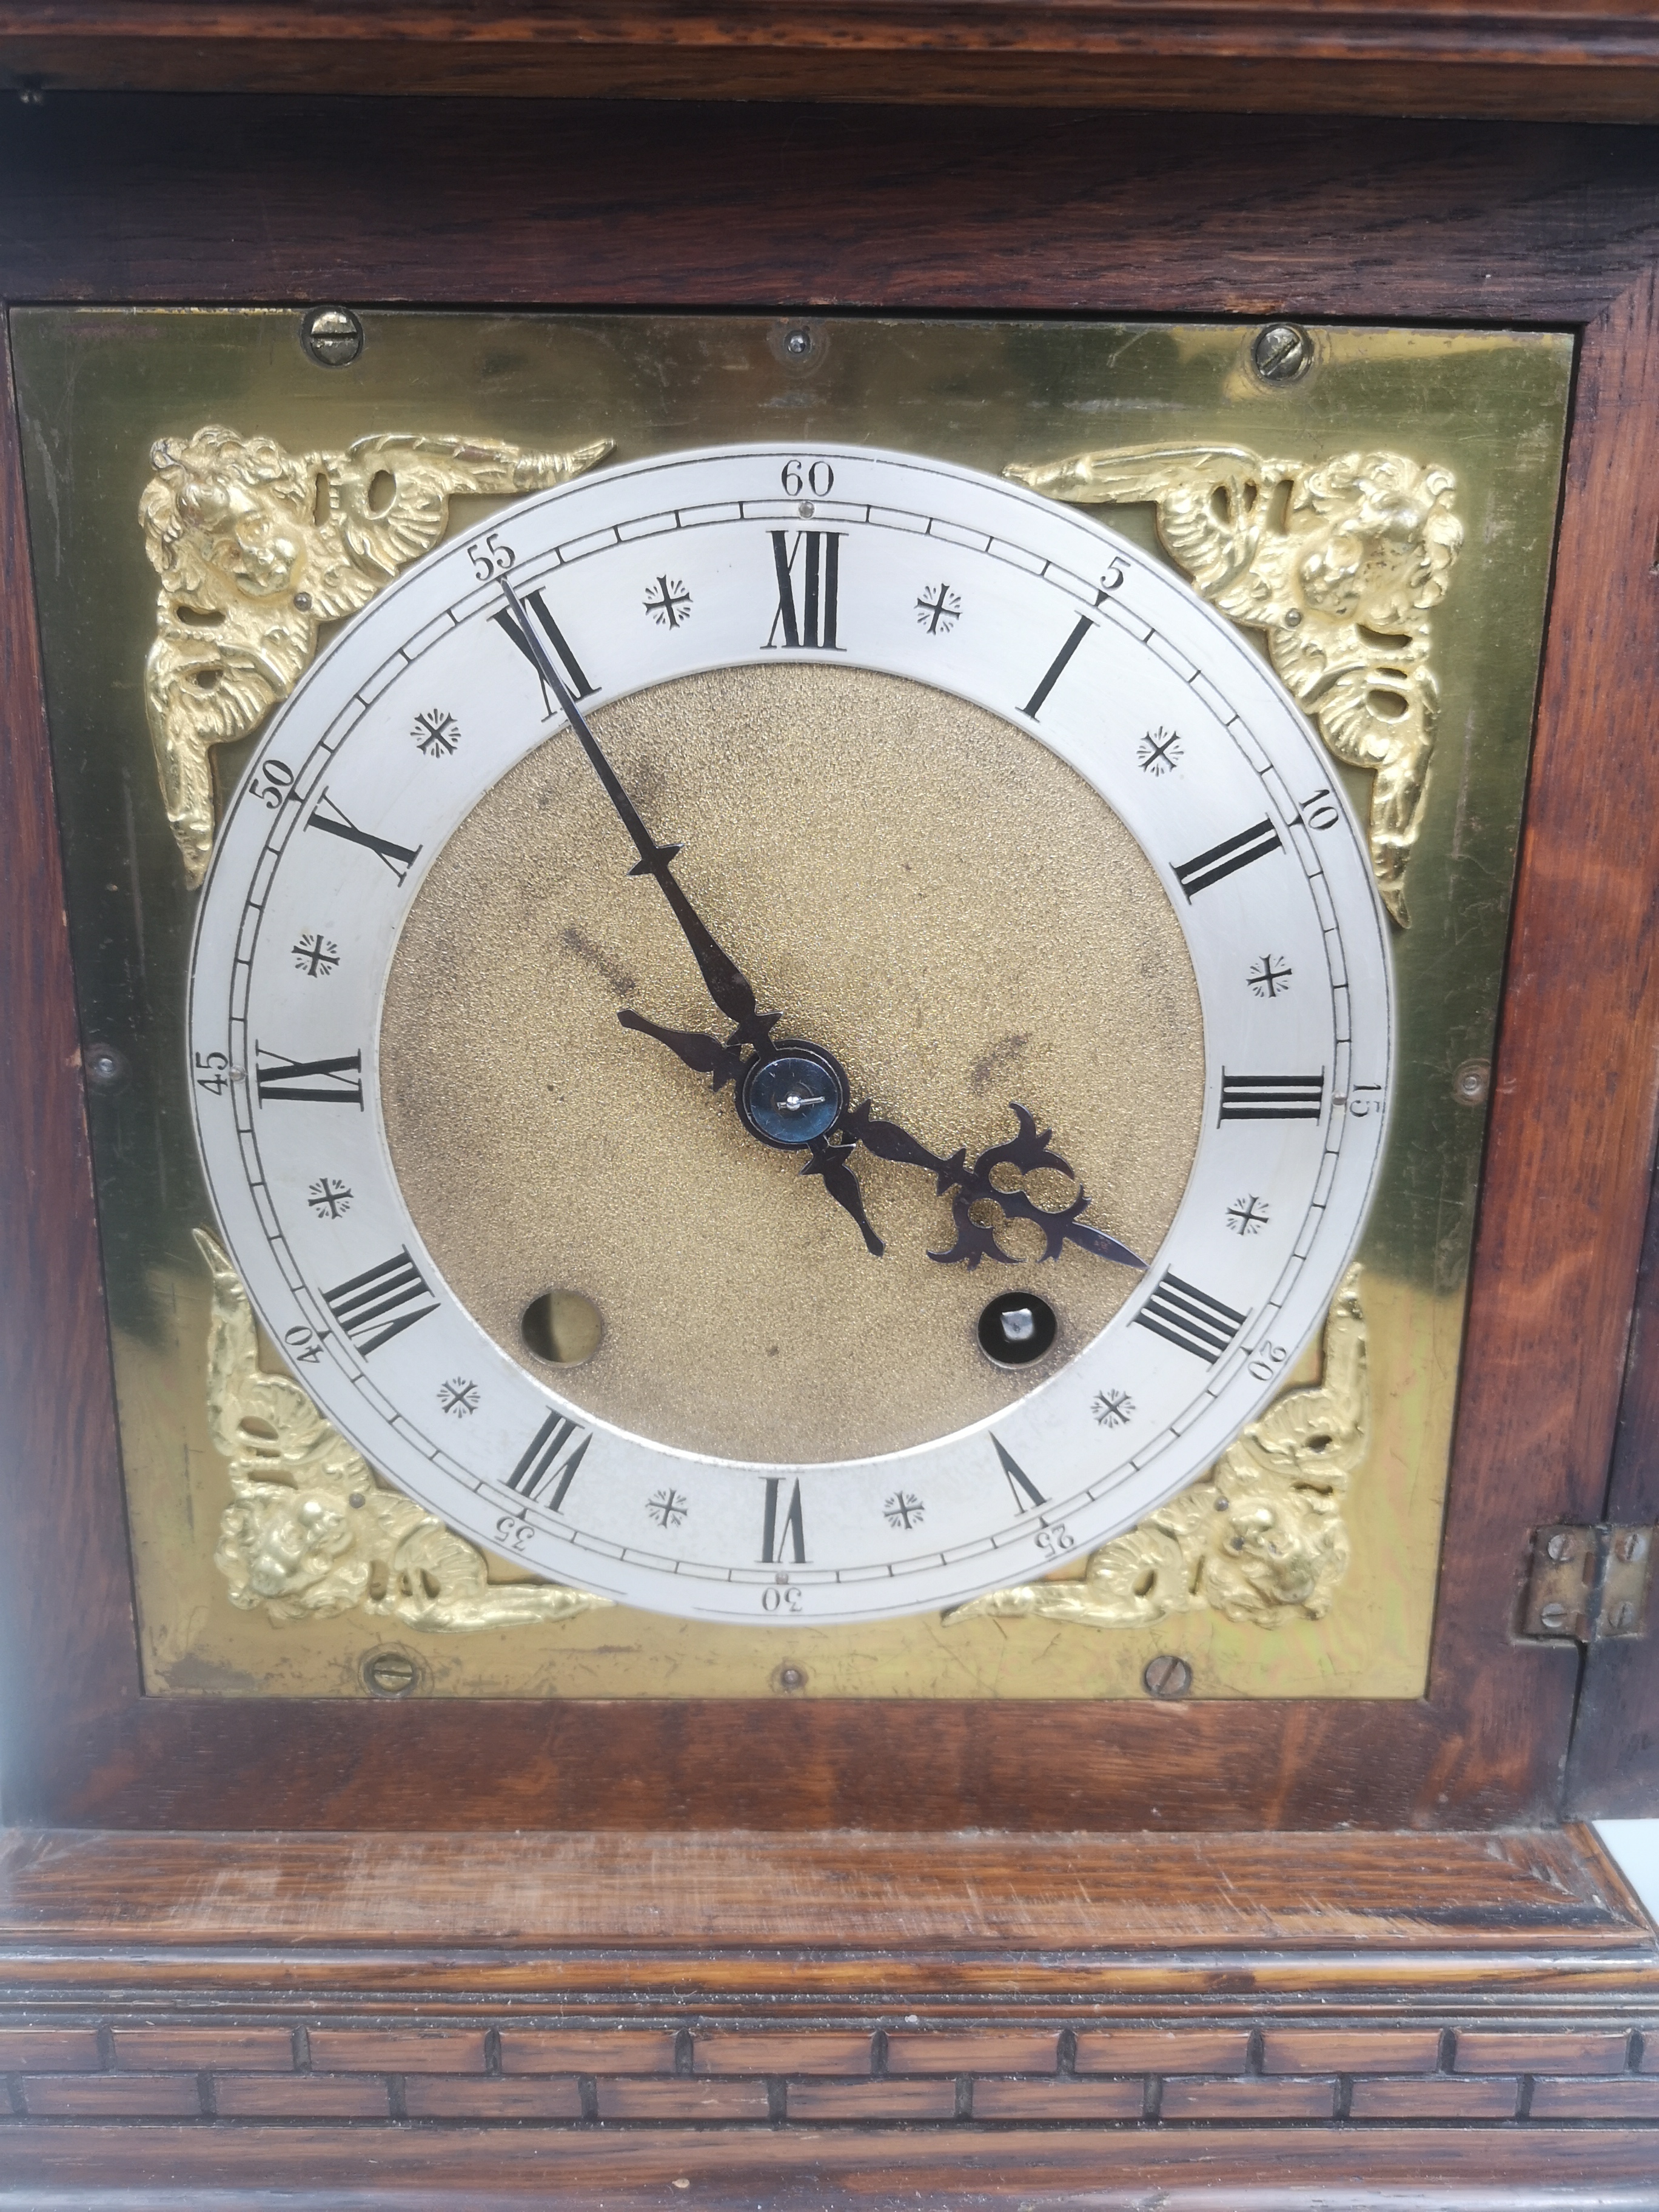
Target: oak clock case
(972, 743)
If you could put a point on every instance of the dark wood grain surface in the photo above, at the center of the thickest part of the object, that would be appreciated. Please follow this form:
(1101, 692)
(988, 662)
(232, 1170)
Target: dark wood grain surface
(72, 1661)
(181, 199)
(1022, 1900)
(524, 203)
(1613, 1768)
(1528, 58)
(391, 2170)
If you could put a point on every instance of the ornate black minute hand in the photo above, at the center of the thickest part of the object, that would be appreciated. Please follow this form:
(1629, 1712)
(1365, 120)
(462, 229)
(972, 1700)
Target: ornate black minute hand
(794, 1095)
(725, 982)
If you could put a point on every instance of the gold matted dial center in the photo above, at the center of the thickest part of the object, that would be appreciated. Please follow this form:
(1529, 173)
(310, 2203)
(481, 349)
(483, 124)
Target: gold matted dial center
(912, 885)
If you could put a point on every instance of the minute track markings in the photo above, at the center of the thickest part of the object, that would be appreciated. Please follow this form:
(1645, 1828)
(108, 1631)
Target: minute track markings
(1067, 706)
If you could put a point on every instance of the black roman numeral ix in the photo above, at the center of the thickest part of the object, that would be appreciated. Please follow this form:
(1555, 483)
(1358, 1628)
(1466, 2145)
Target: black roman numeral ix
(540, 1465)
(381, 1303)
(1182, 1313)
(1026, 1493)
(575, 676)
(791, 1527)
(812, 621)
(1227, 858)
(337, 1082)
(1271, 1098)
(400, 859)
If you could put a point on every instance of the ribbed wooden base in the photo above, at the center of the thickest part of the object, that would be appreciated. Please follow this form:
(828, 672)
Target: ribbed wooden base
(469, 2021)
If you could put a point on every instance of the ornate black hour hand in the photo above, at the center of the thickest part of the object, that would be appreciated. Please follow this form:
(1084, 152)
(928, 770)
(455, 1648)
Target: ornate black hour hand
(830, 1160)
(723, 980)
(706, 1055)
(971, 1187)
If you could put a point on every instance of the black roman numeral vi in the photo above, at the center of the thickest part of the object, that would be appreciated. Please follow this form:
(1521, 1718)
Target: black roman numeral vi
(1026, 1493)
(1224, 859)
(400, 859)
(337, 1082)
(1271, 1098)
(574, 675)
(381, 1303)
(540, 1465)
(812, 621)
(1182, 1313)
(791, 1527)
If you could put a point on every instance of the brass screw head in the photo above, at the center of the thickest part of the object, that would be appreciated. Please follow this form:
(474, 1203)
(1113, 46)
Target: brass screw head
(390, 1673)
(1281, 352)
(1166, 1676)
(333, 337)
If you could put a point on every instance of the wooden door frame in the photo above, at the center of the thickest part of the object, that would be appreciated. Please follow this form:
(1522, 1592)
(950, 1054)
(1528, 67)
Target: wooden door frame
(114, 200)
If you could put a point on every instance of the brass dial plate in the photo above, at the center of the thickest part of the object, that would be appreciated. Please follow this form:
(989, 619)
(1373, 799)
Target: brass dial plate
(97, 386)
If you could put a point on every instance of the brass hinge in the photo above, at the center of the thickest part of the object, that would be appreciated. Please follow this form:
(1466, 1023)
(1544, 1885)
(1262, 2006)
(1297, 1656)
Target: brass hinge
(1588, 1583)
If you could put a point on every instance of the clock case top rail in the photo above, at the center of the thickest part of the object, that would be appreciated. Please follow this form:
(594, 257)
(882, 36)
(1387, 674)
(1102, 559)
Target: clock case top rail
(109, 199)
(1540, 60)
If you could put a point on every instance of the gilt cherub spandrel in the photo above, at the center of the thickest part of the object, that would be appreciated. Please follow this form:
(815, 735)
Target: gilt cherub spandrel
(256, 547)
(312, 1531)
(1340, 564)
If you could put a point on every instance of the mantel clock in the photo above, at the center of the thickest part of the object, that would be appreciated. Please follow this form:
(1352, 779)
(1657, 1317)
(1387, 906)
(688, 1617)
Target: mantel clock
(832, 1097)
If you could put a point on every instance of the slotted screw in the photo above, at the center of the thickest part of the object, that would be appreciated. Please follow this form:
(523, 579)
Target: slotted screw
(1281, 352)
(390, 1673)
(1560, 1546)
(1166, 1676)
(333, 337)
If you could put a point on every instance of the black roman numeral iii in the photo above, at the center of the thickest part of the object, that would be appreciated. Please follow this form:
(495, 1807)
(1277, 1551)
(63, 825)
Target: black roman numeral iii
(381, 1303)
(574, 676)
(1271, 1098)
(326, 815)
(541, 1466)
(337, 1082)
(1026, 1493)
(1182, 1313)
(791, 1527)
(812, 620)
(1204, 869)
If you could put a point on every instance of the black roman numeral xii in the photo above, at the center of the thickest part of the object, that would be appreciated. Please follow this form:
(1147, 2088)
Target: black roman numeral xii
(810, 621)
